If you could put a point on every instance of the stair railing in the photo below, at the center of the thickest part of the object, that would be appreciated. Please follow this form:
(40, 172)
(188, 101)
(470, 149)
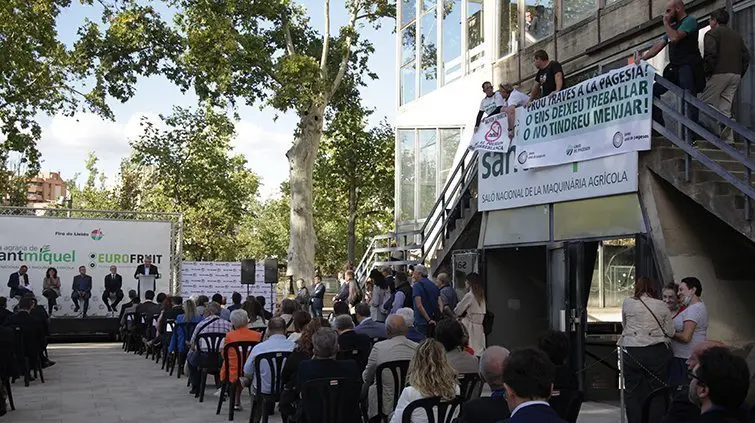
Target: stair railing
(691, 130)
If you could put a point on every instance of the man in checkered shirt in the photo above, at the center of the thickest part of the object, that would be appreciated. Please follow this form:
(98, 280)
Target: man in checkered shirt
(212, 323)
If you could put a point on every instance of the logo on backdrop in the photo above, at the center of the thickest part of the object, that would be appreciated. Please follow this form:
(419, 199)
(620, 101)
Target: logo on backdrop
(97, 234)
(618, 139)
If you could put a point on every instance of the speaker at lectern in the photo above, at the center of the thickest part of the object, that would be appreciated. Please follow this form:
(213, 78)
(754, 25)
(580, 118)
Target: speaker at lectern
(146, 281)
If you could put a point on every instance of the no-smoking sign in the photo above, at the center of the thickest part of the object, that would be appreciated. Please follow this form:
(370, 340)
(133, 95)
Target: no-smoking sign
(494, 133)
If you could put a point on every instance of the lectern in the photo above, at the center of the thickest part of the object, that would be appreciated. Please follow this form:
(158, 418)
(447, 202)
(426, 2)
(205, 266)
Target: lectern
(146, 281)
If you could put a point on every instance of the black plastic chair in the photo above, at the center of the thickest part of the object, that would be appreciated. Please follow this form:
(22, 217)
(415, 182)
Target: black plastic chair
(127, 332)
(139, 329)
(208, 348)
(437, 411)
(470, 385)
(332, 394)
(187, 328)
(377, 339)
(170, 326)
(567, 403)
(399, 370)
(663, 393)
(360, 357)
(27, 365)
(6, 383)
(243, 349)
(275, 361)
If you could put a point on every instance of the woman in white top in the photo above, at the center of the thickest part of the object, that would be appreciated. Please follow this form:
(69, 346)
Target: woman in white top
(647, 329)
(381, 293)
(430, 375)
(691, 328)
(471, 310)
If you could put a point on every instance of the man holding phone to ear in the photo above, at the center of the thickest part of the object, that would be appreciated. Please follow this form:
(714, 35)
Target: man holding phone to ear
(686, 64)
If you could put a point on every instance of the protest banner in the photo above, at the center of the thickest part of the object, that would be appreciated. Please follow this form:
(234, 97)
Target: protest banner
(603, 116)
(492, 135)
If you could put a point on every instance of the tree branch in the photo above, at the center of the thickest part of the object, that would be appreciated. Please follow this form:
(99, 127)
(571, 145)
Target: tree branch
(347, 47)
(325, 43)
(290, 50)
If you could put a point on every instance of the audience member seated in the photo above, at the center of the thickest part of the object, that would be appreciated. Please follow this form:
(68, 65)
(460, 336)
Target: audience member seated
(367, 326)
(340, 308)
(682, 410)
(288, 307)
(276, 342)
(325, 365)
(719, 385)
(225, 314)
(236, 299)
(240, 333)
(396, 347)
(8, 366)
(149, 306)
(171, 313)
(301, 319)
(212, 323)
(131, 296)
(191, 315)
(38, 312)
(412, 333)
(302, 352)
(450, 334)
(349, 340)
(4, 312)
(31, 330)
(555, 345)
(430, 375)
(202, 301)
(494, 408)
(254, 310)
(528, 380)
(266, 314)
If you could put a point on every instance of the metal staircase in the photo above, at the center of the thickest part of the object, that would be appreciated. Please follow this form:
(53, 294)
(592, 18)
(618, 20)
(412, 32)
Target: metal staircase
(698, 163)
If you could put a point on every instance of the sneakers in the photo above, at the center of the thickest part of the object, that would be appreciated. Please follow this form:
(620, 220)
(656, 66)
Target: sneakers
(238, 407)
(217, 393)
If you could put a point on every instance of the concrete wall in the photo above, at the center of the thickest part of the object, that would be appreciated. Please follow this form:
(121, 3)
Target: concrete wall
(516, 293)
(689, 241)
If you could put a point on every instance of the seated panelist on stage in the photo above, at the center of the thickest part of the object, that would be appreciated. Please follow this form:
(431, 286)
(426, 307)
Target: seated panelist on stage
(82, 289)
(18, 282)
(113, 285)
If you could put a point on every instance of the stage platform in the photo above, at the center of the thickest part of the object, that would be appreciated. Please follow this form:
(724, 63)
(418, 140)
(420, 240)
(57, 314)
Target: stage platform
(77, 328)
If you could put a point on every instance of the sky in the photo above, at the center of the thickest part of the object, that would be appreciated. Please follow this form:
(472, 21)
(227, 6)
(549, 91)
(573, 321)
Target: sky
(66, 141)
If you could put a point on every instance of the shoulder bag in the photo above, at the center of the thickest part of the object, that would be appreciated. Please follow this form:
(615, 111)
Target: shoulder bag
(663, 331)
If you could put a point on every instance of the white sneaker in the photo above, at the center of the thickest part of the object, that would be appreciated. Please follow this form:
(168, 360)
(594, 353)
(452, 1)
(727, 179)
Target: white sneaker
(217, 393)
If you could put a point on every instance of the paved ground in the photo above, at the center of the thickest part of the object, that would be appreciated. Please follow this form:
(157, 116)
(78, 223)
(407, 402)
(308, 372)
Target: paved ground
(100, 383)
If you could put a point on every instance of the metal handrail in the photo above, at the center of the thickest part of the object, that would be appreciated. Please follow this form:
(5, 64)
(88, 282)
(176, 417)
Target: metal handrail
(683, 140)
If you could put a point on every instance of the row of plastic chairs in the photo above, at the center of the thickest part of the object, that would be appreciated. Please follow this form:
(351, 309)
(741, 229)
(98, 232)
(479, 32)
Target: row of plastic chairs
(27, 366)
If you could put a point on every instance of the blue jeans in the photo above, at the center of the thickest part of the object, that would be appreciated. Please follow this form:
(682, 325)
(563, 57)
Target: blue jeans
(685, 76)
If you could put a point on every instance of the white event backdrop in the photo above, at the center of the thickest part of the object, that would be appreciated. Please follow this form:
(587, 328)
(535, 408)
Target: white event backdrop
(66, 244)
(217, 277)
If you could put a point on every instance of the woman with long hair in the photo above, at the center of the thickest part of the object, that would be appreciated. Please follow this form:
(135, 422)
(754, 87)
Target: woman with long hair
(254, 310)
(471, 310)
(190, 315)
(381, 294)
(647, 327)
(51, 289)
(430, 375)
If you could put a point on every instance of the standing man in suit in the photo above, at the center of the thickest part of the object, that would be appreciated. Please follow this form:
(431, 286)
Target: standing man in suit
(528, 381)
(396, 347)
(82, 289)
(494, 408)
(366, 325)
(19, 282)
(113, 285)
(145, 269)
(318, 297)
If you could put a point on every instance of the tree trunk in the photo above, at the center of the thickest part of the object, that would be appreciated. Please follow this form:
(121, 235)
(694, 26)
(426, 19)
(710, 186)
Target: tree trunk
(351, 227)
(301, 161)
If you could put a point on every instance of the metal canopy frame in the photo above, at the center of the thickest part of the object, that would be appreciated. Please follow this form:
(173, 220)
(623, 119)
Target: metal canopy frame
(175, 219)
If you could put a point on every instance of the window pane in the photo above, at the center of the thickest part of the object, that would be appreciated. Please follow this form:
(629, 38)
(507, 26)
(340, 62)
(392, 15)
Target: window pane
(451, 39)
(475, 28)
(449, 143)
(408, 83)
(576, 10)
(509, 32)
(538, 20)
(406, 175)
(408, 44)
(427, 170)
(429, 77)
(408, 11)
